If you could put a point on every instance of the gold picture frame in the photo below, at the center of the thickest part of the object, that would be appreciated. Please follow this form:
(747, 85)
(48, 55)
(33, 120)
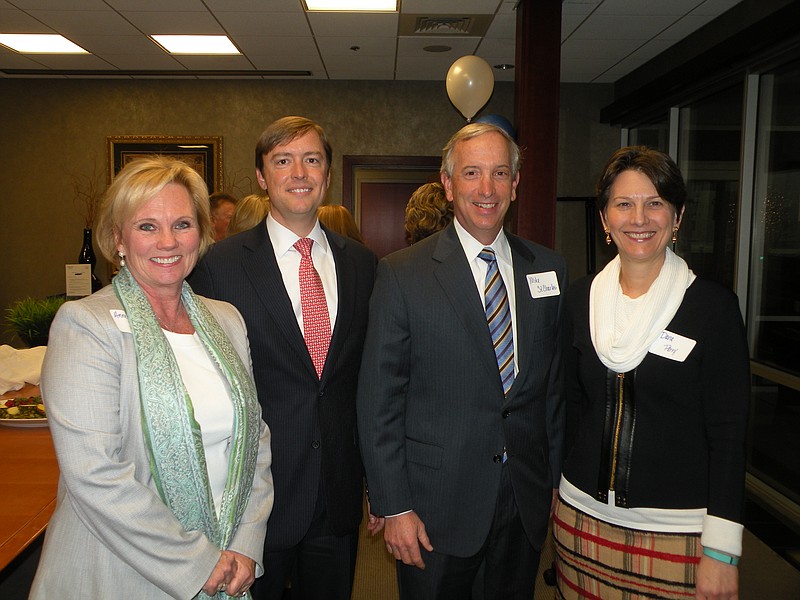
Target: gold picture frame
(202, 153)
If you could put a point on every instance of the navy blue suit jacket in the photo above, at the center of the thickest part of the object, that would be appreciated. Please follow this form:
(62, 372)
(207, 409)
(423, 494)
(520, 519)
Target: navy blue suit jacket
(312, 420)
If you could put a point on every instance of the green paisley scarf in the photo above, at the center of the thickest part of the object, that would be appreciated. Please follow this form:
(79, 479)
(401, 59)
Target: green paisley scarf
(173, 437)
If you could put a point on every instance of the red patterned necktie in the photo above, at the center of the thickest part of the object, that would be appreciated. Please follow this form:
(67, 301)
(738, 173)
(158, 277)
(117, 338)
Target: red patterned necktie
(316, 319)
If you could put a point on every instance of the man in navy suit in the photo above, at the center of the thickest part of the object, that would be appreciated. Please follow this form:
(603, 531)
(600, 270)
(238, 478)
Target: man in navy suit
(312, 533)
(462, 442)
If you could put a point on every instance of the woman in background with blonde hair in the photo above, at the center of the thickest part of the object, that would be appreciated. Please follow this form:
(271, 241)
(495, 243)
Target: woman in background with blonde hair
(338, 219)
(250, 211)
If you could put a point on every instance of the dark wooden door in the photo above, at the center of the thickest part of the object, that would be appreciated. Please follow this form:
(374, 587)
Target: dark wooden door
(383, 207)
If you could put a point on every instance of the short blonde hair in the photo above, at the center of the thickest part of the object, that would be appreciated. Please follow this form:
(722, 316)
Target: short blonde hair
(249, 212)
(428, 211)
(137, 183)
(337, 218)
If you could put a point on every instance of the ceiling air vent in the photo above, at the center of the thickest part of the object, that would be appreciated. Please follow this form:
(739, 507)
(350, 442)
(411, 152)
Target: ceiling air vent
(444, 25)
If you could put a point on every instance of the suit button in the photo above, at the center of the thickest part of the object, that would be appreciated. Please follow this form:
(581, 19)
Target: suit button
(497, 458)
(506, 413)
(315, 444)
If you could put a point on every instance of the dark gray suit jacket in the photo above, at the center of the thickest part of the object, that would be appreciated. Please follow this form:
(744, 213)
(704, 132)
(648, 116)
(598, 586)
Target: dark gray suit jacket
(431, 412)
(313, 421)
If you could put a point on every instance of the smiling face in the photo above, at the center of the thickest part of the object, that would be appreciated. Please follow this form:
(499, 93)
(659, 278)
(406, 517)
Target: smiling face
(296, 177)
(481, 187)
(161, 241)
(639, 221)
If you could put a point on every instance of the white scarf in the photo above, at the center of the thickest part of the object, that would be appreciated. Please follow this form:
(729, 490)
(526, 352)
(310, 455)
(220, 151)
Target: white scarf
(622, 352)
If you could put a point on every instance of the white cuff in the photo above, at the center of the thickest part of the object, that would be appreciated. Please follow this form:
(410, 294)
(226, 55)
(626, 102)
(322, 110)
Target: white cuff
(723, 535)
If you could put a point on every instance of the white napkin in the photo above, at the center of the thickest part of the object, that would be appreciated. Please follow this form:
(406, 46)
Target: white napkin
(18, 367)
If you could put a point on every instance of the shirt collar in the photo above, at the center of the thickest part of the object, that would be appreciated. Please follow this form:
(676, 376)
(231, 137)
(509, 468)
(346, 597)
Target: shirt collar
(473, 247)
(283, 239)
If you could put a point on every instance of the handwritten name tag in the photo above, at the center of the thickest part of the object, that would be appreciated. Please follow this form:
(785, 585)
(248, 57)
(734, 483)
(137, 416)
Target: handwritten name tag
(120, 320)
(543, 285)
(672, 346)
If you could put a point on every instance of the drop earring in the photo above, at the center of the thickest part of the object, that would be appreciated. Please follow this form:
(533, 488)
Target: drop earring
(674, 237)
(608, 237)
(121, 258)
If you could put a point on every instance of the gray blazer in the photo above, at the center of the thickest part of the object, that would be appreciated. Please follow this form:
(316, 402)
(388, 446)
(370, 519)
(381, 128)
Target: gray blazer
(431, 412)
(111, 536)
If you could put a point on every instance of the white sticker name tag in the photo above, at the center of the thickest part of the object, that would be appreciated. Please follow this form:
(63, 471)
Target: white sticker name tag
(543, 285)
(672, 346)
(120, 320)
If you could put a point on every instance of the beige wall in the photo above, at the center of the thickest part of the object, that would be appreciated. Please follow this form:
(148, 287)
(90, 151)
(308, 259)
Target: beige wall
(52, 129)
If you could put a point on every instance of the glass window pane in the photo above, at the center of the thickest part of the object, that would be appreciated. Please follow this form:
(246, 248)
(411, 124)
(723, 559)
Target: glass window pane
(709, 156)
(774, 303)
(655, 135)
(774, 446)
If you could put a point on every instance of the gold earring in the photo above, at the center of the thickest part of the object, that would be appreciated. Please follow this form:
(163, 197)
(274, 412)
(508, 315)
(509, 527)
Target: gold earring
(674, 237)
(608, 237)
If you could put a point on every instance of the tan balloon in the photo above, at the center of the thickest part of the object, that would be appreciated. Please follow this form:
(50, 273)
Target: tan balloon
(470, 83)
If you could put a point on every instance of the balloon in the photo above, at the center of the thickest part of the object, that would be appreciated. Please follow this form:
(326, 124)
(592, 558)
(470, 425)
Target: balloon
(499, 121)
(470, 83)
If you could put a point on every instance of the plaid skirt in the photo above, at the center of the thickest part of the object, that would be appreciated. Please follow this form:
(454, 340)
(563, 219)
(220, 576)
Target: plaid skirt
(596, 560)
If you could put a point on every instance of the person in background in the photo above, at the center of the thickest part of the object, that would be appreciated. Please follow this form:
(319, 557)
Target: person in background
(304, 293)
(250, 211)
(165, 485)
(458, 410)
(223, 206)
(337, 218)
(427, 212)
(657, 388)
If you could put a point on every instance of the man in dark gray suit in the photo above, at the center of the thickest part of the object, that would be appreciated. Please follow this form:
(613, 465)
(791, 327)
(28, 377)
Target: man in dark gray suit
(458, 410)
(307, 394)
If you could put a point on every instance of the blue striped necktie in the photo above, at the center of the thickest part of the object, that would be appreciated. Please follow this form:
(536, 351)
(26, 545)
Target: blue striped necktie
(498, 316)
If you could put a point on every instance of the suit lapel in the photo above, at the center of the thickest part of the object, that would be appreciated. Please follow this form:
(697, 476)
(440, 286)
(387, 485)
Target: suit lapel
(455, 276)
(262, 269)
(526, 309)
(346, 289)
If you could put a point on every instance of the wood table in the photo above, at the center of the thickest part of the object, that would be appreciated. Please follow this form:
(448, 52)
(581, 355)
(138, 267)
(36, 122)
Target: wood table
(28, 484)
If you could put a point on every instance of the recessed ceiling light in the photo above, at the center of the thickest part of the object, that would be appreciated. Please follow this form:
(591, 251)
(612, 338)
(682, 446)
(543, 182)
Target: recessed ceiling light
(352, 5)
(436, 48)
(504, 67)
(196, 44)
(40, 43)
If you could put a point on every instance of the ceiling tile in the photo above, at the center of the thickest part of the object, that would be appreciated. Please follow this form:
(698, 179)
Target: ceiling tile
(598, 50)
(503, 26)
(627, 28)
(154, 5)
(365, 63)
(715, 7)
(683, 27)
(70, 22)
(277, 46)
(444, 7)
(77, 62)
(579, 7)
(115, 44)
(142, 62)
(61, 4)
(343, 24)
(253, 6)
(247, 23)
(646, 7)
(461, 46)
(176, 23)
(368, 46)
(214, 63)
(16, 21)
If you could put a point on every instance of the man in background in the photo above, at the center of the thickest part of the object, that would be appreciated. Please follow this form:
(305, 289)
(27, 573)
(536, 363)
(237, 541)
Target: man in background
(222, 207)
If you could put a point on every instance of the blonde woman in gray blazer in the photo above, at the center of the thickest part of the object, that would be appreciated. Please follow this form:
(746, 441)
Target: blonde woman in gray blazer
(150, 504)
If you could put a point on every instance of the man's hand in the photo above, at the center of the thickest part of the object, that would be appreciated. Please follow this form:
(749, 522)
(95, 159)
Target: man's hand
(716, 580)
(374, 522)
(403, 536)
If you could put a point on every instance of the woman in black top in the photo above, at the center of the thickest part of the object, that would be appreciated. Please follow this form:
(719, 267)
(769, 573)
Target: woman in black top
(657, 374)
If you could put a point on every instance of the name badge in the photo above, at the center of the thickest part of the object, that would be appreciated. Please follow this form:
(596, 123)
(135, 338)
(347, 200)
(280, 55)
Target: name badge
(672, 346)
(543, 285)
(120, 320)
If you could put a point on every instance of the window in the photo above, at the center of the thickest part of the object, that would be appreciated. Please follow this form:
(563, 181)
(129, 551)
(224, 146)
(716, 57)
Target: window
(709, 157)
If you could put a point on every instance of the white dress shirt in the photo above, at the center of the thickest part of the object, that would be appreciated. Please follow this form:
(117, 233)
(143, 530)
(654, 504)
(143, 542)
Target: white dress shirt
(288, 258)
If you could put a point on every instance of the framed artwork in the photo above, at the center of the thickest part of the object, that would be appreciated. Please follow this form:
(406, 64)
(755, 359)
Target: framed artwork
(202, 153)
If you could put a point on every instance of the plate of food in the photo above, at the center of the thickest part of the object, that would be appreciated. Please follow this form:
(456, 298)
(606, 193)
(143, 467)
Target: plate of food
(23, 412)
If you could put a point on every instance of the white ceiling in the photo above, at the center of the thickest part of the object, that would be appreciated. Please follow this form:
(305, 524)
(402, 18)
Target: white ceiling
(601, 40)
